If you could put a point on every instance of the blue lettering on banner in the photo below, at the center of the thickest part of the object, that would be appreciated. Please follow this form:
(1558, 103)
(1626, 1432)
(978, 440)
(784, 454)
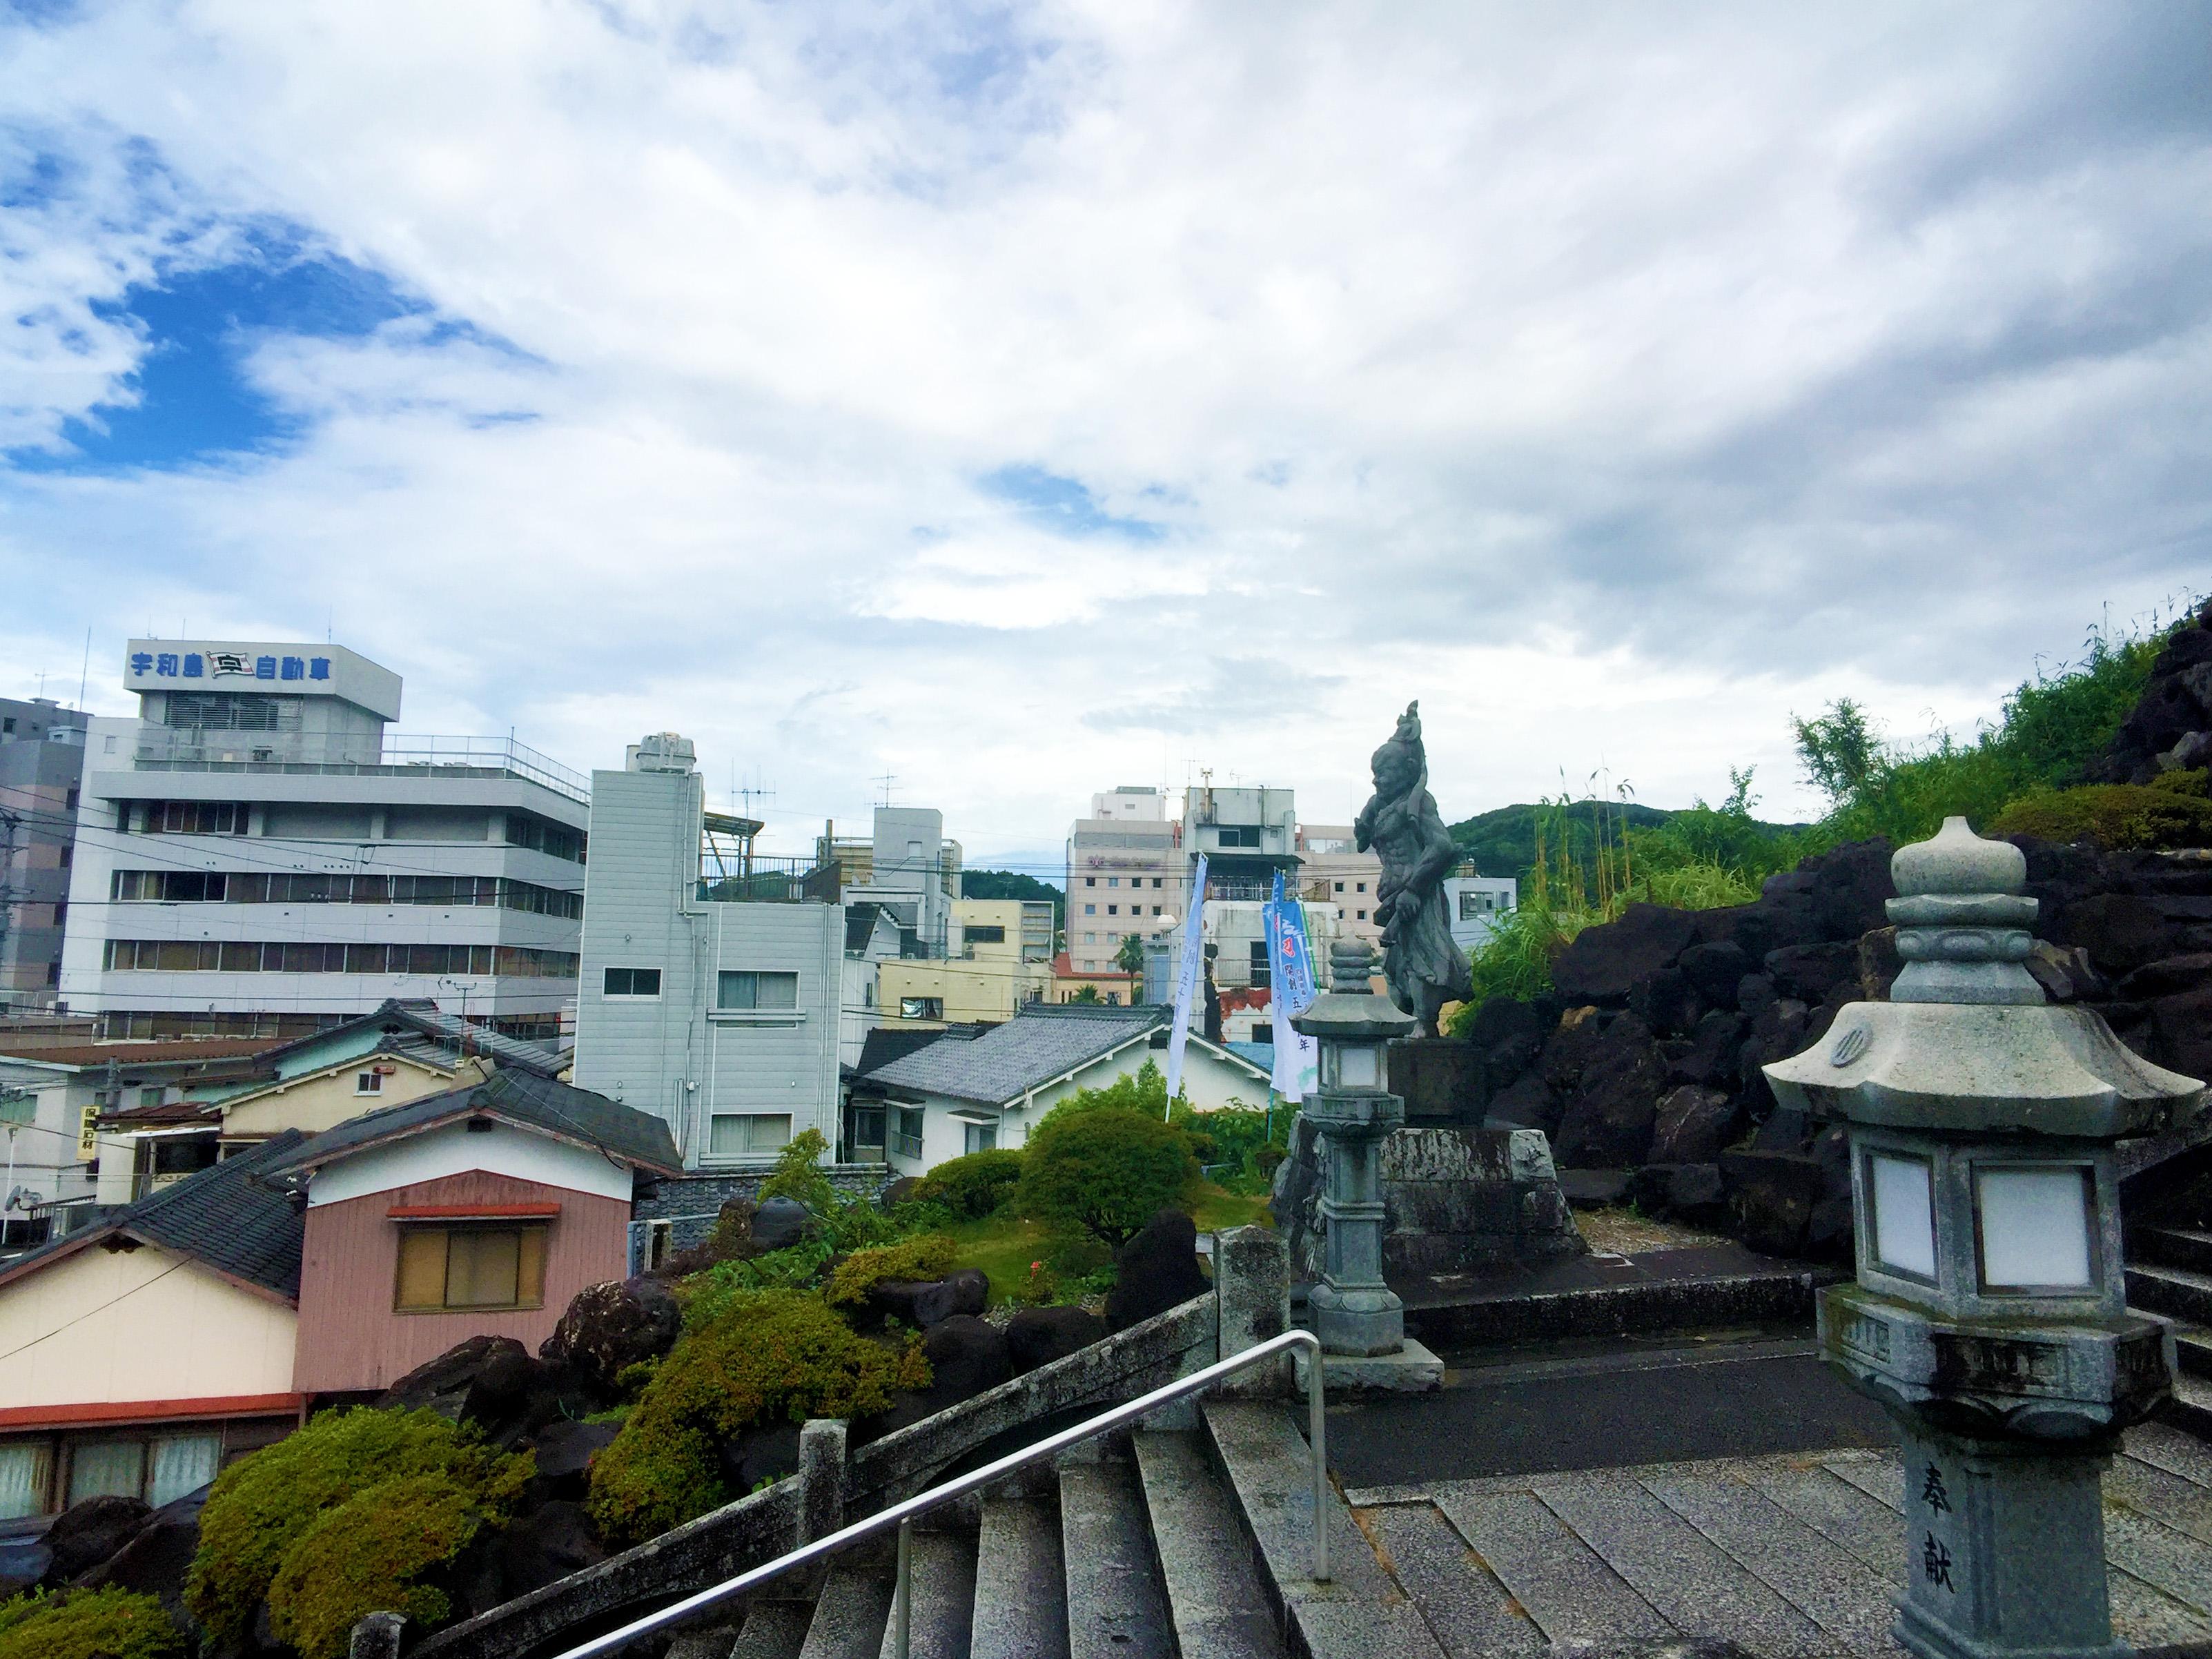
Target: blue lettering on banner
(142, 662)
(195, 666)
(293, 668)
(165, 663)
(319, 668)
(264, 668)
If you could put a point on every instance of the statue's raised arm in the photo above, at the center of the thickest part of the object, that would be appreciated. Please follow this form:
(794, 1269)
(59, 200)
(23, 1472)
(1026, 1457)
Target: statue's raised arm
(1425, 968)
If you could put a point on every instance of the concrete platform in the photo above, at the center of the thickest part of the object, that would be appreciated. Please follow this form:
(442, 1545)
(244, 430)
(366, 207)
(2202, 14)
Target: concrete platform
(1798, 1554)
(1412, 1369)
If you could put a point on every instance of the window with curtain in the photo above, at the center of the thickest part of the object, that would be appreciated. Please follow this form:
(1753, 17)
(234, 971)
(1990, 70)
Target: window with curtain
(756, 1134)
(25, 1471)
(471, 1266)
(107, 1468)
(980, 1137)
(748, 989)
(181, 1464)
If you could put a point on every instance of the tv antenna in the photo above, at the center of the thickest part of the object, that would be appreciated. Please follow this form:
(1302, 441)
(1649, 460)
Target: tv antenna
(887, 781)
(747, 792)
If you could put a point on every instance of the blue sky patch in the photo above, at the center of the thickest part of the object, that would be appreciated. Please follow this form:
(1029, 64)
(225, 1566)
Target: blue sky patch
(195, 399)
(1063, 505)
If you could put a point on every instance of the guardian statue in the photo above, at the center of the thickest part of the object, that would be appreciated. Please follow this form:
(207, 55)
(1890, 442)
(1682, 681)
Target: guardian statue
(1425, 968)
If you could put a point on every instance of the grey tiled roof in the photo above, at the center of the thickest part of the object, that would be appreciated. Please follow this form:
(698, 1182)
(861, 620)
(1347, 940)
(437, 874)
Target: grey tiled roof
(522, 1096)
(230, 1216)
(1038, 1044)
(418, 1018)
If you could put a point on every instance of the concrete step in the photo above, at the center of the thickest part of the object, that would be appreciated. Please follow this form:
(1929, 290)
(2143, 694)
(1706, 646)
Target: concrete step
(714, 1643)
(1216, 1599)
(774, 1630)
(1117, 1605)
(856, 1600)
(2192, 1349)
(941, 1598)
(2177, 1292)
(2190, 1408)
(2171, 1247)
(1361, 1611)
(1021, 1586)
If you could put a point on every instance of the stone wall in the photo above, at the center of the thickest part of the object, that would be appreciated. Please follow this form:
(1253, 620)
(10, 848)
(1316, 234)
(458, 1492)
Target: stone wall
(691, 1202)
(1453, 1198)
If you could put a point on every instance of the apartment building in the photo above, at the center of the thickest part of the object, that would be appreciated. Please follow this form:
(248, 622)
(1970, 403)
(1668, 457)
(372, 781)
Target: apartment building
(911, 870)
(1125, 875)
(1334, 871)
(41, 767)
(989, 974)
(710, 997)
(257, 855)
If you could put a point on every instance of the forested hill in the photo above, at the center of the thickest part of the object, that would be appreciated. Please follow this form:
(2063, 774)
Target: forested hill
(1011, 885)
(1502, 842)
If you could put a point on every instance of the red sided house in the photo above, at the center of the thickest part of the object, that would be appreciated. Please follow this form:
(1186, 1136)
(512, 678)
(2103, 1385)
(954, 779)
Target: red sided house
(148, 1349)
(480, 1212)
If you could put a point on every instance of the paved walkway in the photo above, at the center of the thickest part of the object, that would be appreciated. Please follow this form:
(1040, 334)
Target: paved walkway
(1796, 1554)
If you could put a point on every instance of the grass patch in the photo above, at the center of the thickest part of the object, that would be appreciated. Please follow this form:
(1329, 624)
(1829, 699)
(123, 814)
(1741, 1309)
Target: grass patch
(1004, 1245)
(1217, 1211)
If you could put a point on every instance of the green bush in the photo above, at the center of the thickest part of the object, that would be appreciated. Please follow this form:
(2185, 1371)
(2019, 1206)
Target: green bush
(1145, 1090)
(263, 1503)
(368, 1554)
(772, 1354)
(1106, 1171)
(103, 1623)
(2115, 816)
(799, 1173)
(973, 1185)
(929, 1256)
(706, 1296)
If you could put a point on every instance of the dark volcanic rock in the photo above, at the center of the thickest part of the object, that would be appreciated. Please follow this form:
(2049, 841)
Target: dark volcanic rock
(780, 1222)
(1593, 1190)
(1755, 994)
(565, 1449)
(2169, 976)
(1526, 1103)
(1715, 971)
(1037, 1336)
(2176, 706)
(899, 1192)
(1155, 1271)
(85, 1534)
(1686, 1192)
(1708, 1059)
(1665, 1002)
(1573, 1043)
(766, 1451)
(1607, 1122)
(549, 1543)
(2121, 931)
(612, 1326)
(1810, 972)
(921, 1303)
(1773, 1195)
(493, 1382)
(966, 1357)
(1879, 964)
(157, 1559)
(2183, 1028)
(1692, 1125)
(1603, 963)
(1509, 1034)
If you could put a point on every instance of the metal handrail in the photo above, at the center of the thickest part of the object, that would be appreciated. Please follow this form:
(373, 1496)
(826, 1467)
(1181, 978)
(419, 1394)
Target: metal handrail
(901, 1515)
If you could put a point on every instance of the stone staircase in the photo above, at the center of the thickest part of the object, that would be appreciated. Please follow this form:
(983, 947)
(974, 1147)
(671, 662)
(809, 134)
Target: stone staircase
(1154, 1545)
(2169, 1270)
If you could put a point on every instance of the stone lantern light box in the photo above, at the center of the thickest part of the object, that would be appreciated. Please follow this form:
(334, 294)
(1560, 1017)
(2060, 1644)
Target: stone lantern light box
(1988, 1315)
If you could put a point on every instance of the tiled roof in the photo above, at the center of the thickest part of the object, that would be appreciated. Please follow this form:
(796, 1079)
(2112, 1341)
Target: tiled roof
(521, 1097)
(886, 1043)
(422, 1017)
(137, 1055)
(230, 1216)
(1040, 1042)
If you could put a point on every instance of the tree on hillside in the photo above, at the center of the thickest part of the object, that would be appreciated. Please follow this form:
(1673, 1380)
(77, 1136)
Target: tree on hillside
(1012, 885)
(1840, 749)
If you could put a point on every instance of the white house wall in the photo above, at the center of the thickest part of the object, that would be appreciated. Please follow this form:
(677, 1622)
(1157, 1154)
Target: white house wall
(142, 1324)
(455, 1149)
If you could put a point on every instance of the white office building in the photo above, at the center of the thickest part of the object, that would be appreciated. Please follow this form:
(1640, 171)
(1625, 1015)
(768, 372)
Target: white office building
(257, 855)
(712, 978)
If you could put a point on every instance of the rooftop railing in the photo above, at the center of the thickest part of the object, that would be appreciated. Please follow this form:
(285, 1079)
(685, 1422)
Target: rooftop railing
(428, 755)
(771, 880)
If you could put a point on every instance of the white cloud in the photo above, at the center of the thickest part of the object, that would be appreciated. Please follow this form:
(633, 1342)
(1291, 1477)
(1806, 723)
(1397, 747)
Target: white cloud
(1615, 382)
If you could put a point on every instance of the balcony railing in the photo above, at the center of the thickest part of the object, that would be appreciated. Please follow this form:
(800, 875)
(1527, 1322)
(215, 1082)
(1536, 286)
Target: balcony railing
(771, 880)
(161, 749)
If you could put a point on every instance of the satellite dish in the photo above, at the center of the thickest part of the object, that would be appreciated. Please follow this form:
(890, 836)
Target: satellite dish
(23, 1198)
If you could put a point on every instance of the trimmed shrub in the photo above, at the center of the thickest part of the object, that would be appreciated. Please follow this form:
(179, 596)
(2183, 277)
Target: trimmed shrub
(772, 1354)
(1107, 1171)
(103, 1624)
(2117, 816)
(797, 1174)
(262, 1504)
(973, 1186)
(371, 1552)
(929, 1256)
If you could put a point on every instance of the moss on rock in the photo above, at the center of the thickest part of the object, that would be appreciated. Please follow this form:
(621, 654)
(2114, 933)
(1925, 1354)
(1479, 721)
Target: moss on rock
(102, 1623)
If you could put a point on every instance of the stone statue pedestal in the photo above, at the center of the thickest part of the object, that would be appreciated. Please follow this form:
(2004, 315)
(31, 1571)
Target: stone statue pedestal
(1439, 1079)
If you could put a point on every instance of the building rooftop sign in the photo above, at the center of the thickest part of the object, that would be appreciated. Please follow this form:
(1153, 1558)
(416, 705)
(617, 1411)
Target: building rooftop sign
(288, 669)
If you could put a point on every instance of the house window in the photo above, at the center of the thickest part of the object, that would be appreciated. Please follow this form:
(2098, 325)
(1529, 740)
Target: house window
(1472, 904)
(1156, 909)
(1361, 887)
(457, 1268)
(1363, 916)
(979, 934)
(921, 1008)
(1340, 887)
(748, 989)
(1090, 938)
(754, 1134)
(1261, 967)
(907, 1143)
(1113, 910)
(1156, 882)
(1090, 910)
(25, 1473)
(157, 1470)
(979, 1137)
(1091, 881)
(868, 1128)
(368, 1083)
(150, 1096)
(631, 982)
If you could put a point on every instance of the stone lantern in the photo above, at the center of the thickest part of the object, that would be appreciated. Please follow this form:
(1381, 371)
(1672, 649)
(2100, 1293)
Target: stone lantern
(1354, 1312)
(1988, 1317)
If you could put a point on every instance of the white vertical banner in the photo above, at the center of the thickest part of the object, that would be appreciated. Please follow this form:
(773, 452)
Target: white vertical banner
(1187, 977)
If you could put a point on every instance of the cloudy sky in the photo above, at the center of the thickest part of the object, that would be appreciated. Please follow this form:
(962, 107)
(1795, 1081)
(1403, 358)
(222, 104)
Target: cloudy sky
(1022, 401)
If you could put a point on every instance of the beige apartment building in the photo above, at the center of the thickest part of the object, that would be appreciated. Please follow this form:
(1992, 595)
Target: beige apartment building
(1125, 875)
(1334, 871)
(997, 965)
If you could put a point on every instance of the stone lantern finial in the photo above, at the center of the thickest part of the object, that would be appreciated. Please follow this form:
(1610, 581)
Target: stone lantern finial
(1351, 966)
(1962, 921)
